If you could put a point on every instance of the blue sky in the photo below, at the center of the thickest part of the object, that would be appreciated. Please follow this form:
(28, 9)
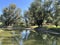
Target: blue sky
(23, 4)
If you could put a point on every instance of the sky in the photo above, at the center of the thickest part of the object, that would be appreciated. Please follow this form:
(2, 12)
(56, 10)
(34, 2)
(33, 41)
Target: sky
(22, 4)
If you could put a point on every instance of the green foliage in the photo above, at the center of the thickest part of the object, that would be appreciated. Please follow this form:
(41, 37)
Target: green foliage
(39, 10)
(48, 10)
(11, 15)
(57, 12)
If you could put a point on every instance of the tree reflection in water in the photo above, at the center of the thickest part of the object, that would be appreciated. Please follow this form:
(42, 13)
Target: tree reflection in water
(24, 35)
(54, 41)
(1, 38)
(21, 42)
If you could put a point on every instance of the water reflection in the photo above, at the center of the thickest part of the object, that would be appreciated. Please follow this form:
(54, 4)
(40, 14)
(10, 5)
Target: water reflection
(25, 34)
(23, 40)
(54, 42)
(1, 38)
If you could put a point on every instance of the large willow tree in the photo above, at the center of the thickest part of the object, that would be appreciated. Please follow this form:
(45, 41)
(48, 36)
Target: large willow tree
(40, 10)
(48, 10)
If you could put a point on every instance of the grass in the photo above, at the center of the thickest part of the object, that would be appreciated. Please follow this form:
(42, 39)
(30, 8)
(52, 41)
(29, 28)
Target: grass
(52, 26)
(5, 33)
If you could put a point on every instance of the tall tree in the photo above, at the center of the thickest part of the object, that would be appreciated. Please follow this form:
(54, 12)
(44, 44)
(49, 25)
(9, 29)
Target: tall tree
(40, 10)
(11, 15)
(57, 12)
